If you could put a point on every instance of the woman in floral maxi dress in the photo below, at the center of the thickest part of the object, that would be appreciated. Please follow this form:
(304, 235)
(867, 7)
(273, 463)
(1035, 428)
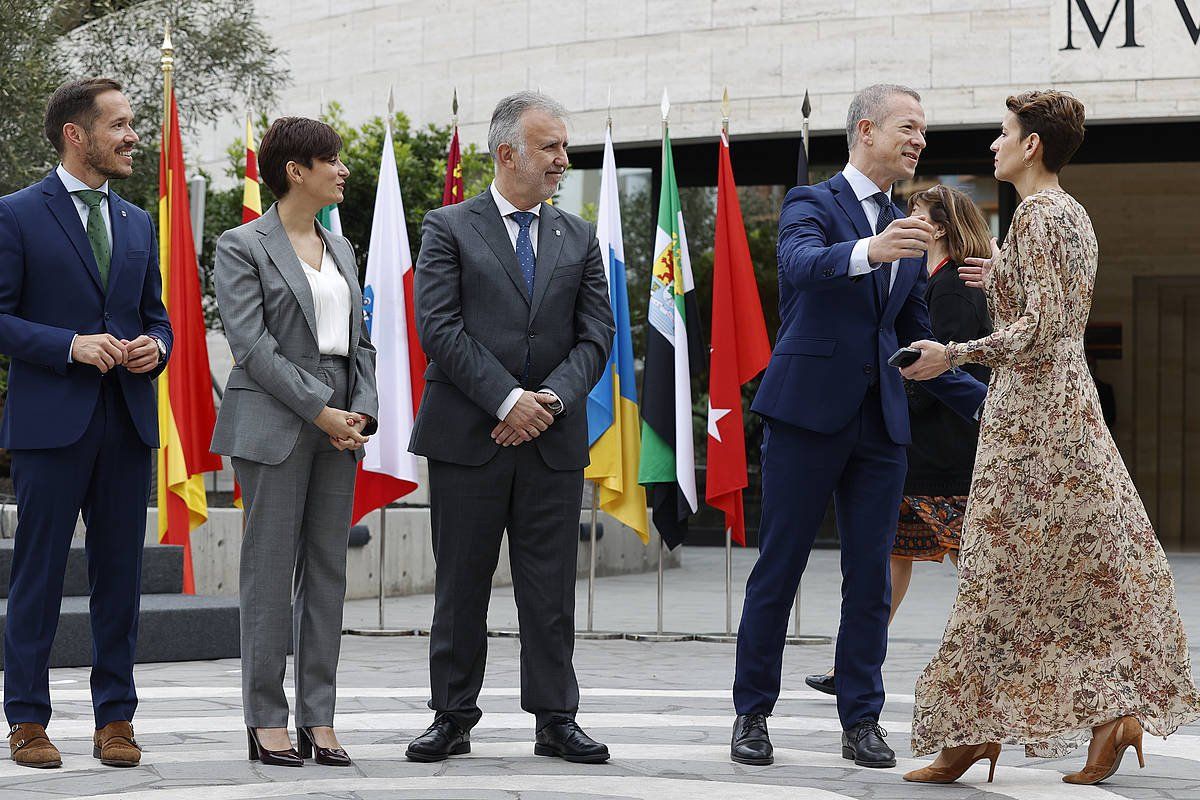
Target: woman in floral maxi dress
(1065, 627)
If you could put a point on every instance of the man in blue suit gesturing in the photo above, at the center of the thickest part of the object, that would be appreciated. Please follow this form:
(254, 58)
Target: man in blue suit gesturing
(82, 320)
(852, 286)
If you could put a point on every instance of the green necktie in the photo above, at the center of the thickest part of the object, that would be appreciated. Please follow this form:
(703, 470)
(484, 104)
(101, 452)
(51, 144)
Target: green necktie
(97, 232)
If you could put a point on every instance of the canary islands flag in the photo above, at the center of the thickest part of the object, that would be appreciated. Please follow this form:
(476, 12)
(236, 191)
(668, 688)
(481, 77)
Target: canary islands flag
(612, 407)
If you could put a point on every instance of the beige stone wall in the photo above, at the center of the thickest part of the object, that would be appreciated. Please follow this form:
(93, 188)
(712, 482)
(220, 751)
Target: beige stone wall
(1145, 216)
(965, 56)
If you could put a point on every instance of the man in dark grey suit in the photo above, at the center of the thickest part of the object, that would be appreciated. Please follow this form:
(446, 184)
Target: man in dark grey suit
(512, 309)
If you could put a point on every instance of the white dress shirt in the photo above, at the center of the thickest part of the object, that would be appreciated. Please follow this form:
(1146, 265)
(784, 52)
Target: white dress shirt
(864, 188)
(73, 184)
(331, 297)
(507, 209)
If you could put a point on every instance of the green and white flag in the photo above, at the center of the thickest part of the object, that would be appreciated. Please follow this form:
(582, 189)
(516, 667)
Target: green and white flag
(674, 353)
(330, 219)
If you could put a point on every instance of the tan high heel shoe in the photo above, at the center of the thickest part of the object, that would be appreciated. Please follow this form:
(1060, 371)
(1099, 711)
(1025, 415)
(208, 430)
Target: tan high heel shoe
(1127, 733)
(958, 765)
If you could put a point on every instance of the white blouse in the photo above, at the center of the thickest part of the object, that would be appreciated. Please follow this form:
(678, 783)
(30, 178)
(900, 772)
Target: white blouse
(331, 296)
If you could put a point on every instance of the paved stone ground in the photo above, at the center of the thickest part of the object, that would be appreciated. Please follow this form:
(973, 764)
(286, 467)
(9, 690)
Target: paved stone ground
(664, 709)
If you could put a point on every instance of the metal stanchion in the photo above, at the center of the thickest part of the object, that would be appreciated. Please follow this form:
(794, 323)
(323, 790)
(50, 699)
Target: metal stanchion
(381, 629)
(659, 635)
(591, 633)
(796, 637)
(728, 637)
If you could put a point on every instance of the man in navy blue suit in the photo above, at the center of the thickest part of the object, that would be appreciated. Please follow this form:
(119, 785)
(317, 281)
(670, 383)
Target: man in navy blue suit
(83, 323)
(852, 286)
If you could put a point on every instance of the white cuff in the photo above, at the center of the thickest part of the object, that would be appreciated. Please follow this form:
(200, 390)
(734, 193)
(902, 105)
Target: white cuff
(859, 265)
(509, 402)
(71, 349)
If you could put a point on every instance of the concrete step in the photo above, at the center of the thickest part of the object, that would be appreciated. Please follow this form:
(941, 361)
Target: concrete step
(162, 569)
(173, 627)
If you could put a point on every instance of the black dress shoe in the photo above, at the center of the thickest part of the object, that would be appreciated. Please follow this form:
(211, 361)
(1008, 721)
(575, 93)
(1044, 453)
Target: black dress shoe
(272, 758)
(864, 745)
(440, 740)
(326, 756)
(822, 683)
(563, 738)
(751, 744)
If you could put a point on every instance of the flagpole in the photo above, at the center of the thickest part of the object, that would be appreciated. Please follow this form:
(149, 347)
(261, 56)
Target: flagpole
(659, 635)
(381, 629)
(728, 636)
(797, 637)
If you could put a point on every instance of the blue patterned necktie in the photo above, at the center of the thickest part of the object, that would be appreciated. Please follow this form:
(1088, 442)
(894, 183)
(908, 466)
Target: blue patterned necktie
(525, 257)
(887, 215)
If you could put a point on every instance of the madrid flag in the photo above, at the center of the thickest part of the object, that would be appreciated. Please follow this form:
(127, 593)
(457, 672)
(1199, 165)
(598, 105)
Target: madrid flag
(740, 350)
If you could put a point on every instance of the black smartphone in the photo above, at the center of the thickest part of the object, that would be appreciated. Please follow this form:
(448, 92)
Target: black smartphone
(905, 356)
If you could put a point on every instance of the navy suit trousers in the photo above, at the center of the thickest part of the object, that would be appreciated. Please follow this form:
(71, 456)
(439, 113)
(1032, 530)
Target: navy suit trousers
(106, 475)
(863, 470)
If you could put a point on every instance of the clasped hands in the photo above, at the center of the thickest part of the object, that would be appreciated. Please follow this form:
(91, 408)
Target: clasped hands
(343, 427)
(527, 419)
(933, 360)
(105, 351)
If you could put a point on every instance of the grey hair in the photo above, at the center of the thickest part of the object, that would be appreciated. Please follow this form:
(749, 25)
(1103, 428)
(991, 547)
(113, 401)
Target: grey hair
(506, 119)
(871, 103)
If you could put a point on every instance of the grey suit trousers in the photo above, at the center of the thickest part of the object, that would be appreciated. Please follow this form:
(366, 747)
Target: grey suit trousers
(294, 569)
(471, 508)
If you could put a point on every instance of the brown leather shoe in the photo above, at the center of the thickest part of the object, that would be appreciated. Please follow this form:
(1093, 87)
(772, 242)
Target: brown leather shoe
(31, 747)
(115, 747)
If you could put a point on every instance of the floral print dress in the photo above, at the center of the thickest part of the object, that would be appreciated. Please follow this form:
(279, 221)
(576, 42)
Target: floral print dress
(1065, 616)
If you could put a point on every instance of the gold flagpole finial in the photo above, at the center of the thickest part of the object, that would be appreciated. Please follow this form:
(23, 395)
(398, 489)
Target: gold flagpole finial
(391, 106)
(454, 108)
(665, 106)
(168, 49)
(725, 111)
(608, 119)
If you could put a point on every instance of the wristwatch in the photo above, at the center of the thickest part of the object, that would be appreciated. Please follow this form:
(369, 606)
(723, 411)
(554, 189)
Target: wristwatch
(162, 349)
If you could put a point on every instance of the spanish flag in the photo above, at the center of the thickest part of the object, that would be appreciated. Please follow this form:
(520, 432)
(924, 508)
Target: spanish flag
(185, 403)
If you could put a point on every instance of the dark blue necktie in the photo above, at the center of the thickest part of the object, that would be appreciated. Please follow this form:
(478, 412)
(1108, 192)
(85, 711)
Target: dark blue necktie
(887, 215)
(525, 257)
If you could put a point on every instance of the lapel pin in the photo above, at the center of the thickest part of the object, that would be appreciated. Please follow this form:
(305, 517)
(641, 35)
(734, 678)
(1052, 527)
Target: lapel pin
(123, 214)
(557, 232)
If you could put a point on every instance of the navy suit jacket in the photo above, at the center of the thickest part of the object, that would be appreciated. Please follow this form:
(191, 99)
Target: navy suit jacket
(833, 342)
(50, 291)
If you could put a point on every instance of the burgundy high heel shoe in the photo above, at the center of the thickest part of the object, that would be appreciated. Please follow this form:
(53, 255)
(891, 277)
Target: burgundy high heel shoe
(272, 758)
(328, 756)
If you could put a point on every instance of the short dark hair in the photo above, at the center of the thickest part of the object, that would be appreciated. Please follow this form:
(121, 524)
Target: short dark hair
(298, 139)
(75, 101)
(1056, 117)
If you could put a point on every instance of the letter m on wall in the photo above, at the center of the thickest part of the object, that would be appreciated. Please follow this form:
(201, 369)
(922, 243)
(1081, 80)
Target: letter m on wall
(1098, 33)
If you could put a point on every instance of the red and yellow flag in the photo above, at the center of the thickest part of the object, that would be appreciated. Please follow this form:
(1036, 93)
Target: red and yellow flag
(452, 189)
(251, 210)
(185, 403)
(251, 198)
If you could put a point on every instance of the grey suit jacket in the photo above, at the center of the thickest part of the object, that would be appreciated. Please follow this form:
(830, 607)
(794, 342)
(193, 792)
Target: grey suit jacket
(478, 326)
(271, 322)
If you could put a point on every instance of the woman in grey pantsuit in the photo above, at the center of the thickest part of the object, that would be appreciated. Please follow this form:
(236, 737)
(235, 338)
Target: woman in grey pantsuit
(298, 407)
